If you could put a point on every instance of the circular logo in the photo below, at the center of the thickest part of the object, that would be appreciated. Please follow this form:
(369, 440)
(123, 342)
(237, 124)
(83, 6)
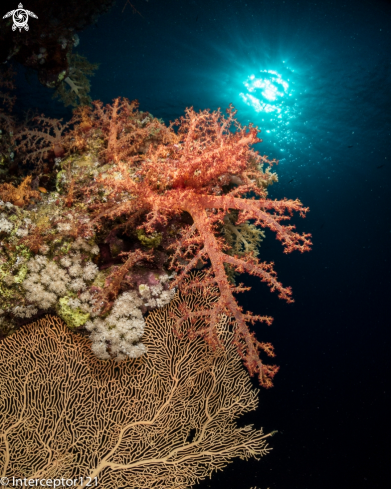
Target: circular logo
(20, 18)
(4, 481)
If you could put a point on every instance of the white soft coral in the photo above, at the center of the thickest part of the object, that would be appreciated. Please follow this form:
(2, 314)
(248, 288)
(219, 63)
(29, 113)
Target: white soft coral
(118, 336)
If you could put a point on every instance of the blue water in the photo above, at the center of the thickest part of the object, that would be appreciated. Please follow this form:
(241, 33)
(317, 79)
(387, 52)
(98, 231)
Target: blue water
(315, 77)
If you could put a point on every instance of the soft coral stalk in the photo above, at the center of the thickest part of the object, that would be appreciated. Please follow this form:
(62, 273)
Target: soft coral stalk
(208, 174)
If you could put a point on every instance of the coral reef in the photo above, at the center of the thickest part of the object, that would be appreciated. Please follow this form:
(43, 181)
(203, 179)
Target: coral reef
(121, 243)
(168, 419)
(150, 201)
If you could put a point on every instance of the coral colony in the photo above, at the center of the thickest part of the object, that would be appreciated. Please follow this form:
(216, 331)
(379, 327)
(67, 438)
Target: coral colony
(121, 338)
(167, 419)
(119, 211)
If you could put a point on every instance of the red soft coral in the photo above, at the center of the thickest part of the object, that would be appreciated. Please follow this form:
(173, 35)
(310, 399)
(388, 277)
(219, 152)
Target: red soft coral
(208, 174)
(125, 129)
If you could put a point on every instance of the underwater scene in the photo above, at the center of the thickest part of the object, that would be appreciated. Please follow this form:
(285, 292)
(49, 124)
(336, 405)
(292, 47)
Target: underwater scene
(194, 244)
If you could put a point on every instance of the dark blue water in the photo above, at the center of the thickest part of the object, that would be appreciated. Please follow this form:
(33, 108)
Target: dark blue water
(316, 78)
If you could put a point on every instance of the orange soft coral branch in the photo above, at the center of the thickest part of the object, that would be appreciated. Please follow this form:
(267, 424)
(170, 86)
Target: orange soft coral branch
(207, 154)
(105, 297)
(197, 175)
(126, 130)
(111, 119)
(227, 304)
(19, 196)
(37, 142)
(257, 210)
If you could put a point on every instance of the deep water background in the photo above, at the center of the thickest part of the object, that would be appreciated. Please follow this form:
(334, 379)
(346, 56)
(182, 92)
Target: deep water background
(331, 131)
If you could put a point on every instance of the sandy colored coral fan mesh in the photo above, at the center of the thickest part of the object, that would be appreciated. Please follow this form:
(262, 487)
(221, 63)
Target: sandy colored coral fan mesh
(167, 419)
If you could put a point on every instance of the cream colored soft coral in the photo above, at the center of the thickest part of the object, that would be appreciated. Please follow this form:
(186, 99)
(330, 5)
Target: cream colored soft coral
(155, 295)
(118, 335)
(5, 225)
(47, 281)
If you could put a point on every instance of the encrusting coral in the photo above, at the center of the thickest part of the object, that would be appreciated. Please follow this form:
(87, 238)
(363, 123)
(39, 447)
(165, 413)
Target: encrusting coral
(150, 200)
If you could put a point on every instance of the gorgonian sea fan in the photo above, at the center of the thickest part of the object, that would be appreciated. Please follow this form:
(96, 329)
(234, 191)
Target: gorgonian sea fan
(167, 419)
